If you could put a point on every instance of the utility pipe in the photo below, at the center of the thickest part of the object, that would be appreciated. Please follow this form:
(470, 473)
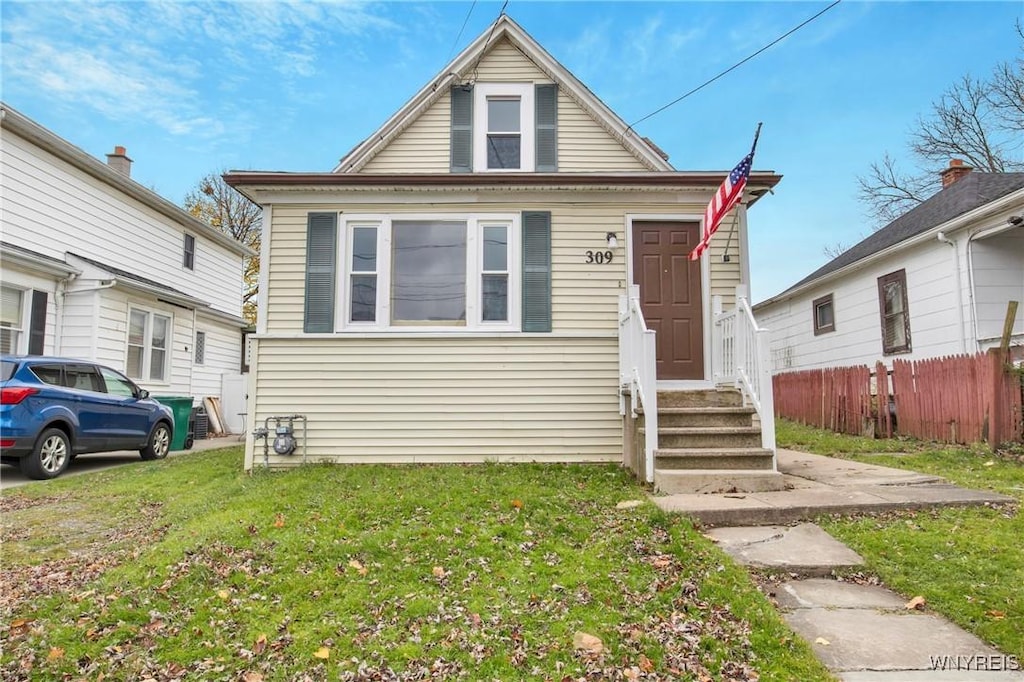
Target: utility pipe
(941, 236)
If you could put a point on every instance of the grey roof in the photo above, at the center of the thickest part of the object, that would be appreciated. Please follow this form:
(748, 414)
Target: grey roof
(971, 191)
(131, 276)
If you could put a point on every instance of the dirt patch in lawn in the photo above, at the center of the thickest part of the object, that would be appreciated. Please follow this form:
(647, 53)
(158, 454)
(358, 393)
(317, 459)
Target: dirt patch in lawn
(57, 544)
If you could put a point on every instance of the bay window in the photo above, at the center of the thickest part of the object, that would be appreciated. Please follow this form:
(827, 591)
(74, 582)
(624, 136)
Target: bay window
(429, 272)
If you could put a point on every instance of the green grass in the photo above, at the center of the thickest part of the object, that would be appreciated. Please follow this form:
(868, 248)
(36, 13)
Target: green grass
(190, 568)
(967, 563)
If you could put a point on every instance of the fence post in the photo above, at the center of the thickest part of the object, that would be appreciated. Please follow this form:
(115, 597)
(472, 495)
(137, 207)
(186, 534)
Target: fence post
(995, 402)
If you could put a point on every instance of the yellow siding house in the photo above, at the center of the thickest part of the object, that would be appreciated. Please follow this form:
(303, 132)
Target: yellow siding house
(501, 273)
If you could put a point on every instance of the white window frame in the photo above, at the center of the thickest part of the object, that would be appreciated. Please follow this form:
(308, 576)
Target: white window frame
(147, 348)
(25, 313)
(524, 92)
(475, 223)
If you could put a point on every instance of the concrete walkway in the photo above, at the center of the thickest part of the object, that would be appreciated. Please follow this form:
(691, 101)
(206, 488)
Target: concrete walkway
(862, 633)
(817, 485)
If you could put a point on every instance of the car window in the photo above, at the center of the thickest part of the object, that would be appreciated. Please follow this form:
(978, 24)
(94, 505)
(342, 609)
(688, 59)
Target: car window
(7, 369)
(82, 377)
(117, 384)
(48, 374)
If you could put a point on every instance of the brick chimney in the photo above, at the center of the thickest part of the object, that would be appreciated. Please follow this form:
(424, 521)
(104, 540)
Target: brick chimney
(956, 170)
(120, 162)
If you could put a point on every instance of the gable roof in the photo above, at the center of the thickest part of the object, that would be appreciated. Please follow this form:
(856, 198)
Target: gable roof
(456, 71)
(970, 192)
(24, 127)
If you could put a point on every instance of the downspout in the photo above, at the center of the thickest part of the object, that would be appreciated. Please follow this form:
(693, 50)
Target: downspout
(941, 236)
(58, 312)
(970, 290)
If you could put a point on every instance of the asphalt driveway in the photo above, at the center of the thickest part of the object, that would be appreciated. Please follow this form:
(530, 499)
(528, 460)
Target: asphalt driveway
(11, 476)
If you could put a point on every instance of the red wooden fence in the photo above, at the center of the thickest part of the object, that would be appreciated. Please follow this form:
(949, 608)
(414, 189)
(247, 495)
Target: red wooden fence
(959, 399)
(837, 398)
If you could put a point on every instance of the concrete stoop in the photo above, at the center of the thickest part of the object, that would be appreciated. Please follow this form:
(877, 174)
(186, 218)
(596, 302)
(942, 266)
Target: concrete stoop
(862, 633)
(708, 442)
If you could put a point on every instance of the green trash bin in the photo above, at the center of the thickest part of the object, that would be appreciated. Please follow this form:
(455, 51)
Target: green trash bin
(181, 406)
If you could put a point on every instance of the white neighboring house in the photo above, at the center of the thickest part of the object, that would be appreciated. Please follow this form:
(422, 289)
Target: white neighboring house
(96, 266)
(934, 282)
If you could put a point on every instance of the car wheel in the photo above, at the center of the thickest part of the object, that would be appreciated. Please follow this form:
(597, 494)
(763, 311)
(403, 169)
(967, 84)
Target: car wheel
(159, 442)
(49, 458)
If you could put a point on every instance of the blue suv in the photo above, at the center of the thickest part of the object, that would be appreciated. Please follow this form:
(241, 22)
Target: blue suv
(53, 409)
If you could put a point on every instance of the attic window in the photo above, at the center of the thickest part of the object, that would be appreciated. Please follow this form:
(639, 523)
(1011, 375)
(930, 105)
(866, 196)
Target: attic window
(504, 139)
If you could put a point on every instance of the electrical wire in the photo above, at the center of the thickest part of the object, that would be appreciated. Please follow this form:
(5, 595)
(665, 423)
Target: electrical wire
(455, 43)
(733, 67)
(487, 42)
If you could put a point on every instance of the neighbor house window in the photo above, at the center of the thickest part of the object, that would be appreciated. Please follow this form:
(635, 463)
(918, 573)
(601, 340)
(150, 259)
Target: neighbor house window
(11, 319)
(190, 252)
(824, 315)
(895, 316)
(504, 130)
(423, 272)
(148, 344)
(200, 348)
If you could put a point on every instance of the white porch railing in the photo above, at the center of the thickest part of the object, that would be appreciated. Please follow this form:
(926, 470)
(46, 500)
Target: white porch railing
(740, 357)
(637, 372)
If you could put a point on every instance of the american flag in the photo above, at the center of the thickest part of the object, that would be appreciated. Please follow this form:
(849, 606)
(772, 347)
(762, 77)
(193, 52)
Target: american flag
(727, 196)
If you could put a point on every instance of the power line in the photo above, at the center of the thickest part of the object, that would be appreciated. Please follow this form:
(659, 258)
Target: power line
(490, 35)
(734, 66)
(456, 41)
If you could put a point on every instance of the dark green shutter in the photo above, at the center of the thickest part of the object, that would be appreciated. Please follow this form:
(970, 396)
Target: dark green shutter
(546, 97)
(321, 254)
(462, 129)
(536, 271)
(37, 323)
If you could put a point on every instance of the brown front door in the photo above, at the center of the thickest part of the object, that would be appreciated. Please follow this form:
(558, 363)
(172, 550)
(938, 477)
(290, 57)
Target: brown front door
(670, 294)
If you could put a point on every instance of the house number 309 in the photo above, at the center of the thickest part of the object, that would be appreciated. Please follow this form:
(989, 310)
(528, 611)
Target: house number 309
(599, 257)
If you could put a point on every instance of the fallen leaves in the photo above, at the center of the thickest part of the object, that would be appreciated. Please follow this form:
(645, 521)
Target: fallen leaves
(587, 642)
(358, 566)
(917, 603)
(995, 614)
(322, 653)
(822, 641)
(279, 521)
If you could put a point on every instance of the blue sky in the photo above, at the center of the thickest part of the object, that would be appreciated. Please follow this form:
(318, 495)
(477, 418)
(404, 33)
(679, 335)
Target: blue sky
(195, 87)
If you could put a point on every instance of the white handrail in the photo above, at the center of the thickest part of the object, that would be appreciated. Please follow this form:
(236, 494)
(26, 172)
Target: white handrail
(742, 358)
(637, 372)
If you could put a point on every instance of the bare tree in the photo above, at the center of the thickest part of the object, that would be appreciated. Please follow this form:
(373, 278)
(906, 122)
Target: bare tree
(980, 121)
(218, 204)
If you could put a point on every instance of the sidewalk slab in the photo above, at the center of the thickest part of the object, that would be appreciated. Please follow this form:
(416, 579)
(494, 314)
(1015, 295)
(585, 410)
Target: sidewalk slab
(805, 549)
(931, 676)
(818, 485)
(821, 593)
(843, 472)
(866, 639)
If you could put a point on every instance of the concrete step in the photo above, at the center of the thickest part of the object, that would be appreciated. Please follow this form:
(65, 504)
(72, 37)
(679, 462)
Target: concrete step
(712, 397)
(704, 416)
(713, 458)
(708, 437)
(675, 481)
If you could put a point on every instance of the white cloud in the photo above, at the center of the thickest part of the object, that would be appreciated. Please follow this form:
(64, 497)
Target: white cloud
(163, 61)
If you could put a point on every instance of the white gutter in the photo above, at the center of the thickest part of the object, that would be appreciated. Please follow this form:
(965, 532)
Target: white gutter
(958, 284)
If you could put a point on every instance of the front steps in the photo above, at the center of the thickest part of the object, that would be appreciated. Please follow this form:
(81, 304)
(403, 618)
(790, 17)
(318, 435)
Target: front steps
(708, 443)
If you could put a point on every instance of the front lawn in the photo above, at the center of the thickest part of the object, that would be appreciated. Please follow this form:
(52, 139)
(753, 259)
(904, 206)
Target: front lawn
(967, 563)
(189, 569)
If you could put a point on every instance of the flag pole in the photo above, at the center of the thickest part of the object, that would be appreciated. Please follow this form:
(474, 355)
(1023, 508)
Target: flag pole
(736, 215)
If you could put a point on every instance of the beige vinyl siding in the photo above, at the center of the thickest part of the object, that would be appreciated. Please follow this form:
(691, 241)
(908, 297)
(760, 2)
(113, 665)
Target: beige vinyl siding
(583, 145)
(725, 276)
(584, 296)
(439, 400)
